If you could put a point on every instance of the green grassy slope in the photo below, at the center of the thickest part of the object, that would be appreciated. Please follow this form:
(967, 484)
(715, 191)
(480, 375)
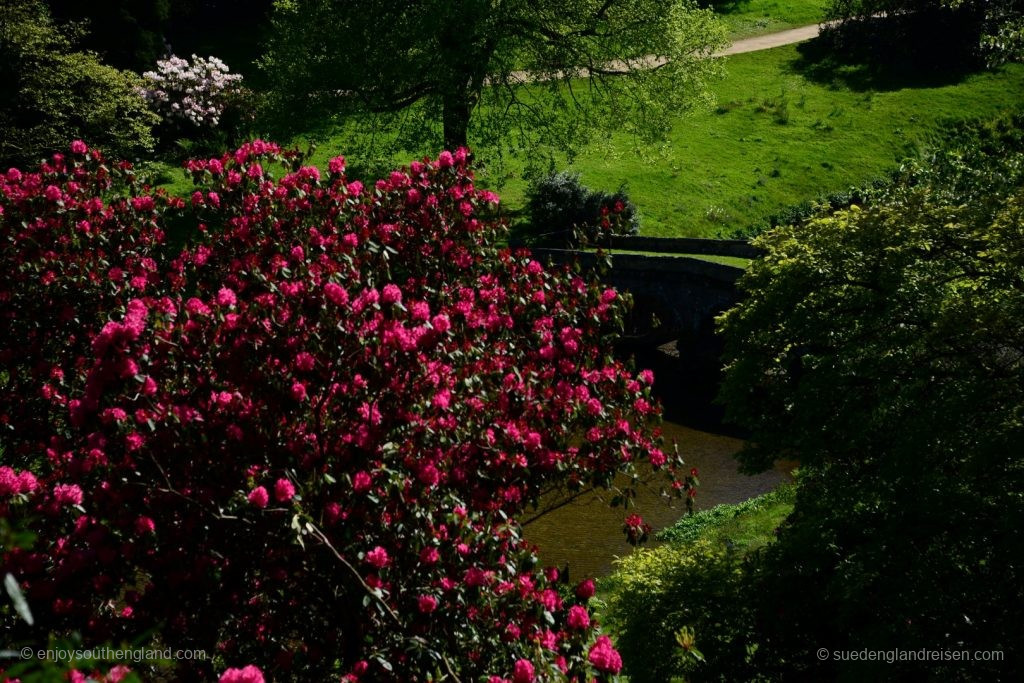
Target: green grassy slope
(778, 137)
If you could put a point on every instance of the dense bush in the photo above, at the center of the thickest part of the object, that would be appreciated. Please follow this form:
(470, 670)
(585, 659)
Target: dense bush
(124, 33)
(50, 93)
(195, 92)
(667, 607)
(203, 106)
(301, 440)
(564, 210)
(882, 347)
(683, 608)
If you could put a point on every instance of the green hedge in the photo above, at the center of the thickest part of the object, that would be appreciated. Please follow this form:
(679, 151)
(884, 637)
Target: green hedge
(694, 586)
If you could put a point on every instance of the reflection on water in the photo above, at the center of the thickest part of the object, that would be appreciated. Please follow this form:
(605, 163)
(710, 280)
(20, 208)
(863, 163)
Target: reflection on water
(587, 534)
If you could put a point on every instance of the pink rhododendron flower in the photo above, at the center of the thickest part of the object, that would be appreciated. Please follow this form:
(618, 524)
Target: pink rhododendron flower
(336, 294)
(361, 482)
(119, 672)
(523, 672)
(259, 497)
(284, 490)
(249, 674)
(134, 441)
(78, 147)
(657, 457)
(226, 297)
(604, 657)
(27, 481)
(195, 306)
(9, 483)
(378, 557)
(391, 294)
(304, 361)
(427, 603)
(67, 494)
(429, 475)
(578, 618)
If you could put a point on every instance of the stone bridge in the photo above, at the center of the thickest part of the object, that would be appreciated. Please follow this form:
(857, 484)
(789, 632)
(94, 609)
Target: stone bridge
(675, 297)
(672, 326)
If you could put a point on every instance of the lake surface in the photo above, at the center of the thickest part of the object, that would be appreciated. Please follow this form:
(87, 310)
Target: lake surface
(587, 534)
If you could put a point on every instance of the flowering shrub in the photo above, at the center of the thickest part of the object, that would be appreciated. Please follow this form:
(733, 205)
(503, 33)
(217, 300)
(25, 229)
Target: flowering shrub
(302, 440)
(563, 209)
(196, 93)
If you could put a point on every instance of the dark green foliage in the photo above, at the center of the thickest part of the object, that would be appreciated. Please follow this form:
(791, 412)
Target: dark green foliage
(127, 34)
(992, 30)
(233, 30)
(564, 211)
(134, 34)
(51, 94)
(697, 581)
(882, 348)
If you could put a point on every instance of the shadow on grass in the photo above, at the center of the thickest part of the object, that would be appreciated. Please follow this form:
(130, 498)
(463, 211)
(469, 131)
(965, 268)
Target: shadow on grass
(892, 53)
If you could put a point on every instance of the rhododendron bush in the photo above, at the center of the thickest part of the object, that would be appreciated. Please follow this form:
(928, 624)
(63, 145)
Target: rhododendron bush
(293, 420)
(196, 92)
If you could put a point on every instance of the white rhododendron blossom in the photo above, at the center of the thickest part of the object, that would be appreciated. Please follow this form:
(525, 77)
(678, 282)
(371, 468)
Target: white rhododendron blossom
(197, 92)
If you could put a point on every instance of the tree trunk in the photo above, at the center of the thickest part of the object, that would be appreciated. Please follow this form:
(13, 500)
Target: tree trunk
(455, 118)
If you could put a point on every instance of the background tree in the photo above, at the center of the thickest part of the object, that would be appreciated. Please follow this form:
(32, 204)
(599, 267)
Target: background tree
(133, 34)
(128, 34)
(882, 348)
(50, 93)
(497, 72)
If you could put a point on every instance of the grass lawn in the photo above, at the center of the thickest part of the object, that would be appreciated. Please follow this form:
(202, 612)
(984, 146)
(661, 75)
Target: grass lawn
(734, 261)
(746, 526)
(785, 130)
(758, 17)
(788, 127)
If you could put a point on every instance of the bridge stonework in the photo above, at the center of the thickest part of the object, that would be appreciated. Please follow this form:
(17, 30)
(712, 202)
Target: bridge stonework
(684, 294)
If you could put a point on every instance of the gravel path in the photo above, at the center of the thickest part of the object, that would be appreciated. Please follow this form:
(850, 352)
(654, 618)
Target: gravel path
(766, 42)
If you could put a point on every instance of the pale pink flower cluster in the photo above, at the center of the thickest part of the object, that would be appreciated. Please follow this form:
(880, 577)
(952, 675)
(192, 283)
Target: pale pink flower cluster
(197, 92)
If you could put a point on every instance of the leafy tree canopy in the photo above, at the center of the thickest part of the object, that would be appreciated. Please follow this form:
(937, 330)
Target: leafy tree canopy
(882, 348)
(51, 93)
(500, 73)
